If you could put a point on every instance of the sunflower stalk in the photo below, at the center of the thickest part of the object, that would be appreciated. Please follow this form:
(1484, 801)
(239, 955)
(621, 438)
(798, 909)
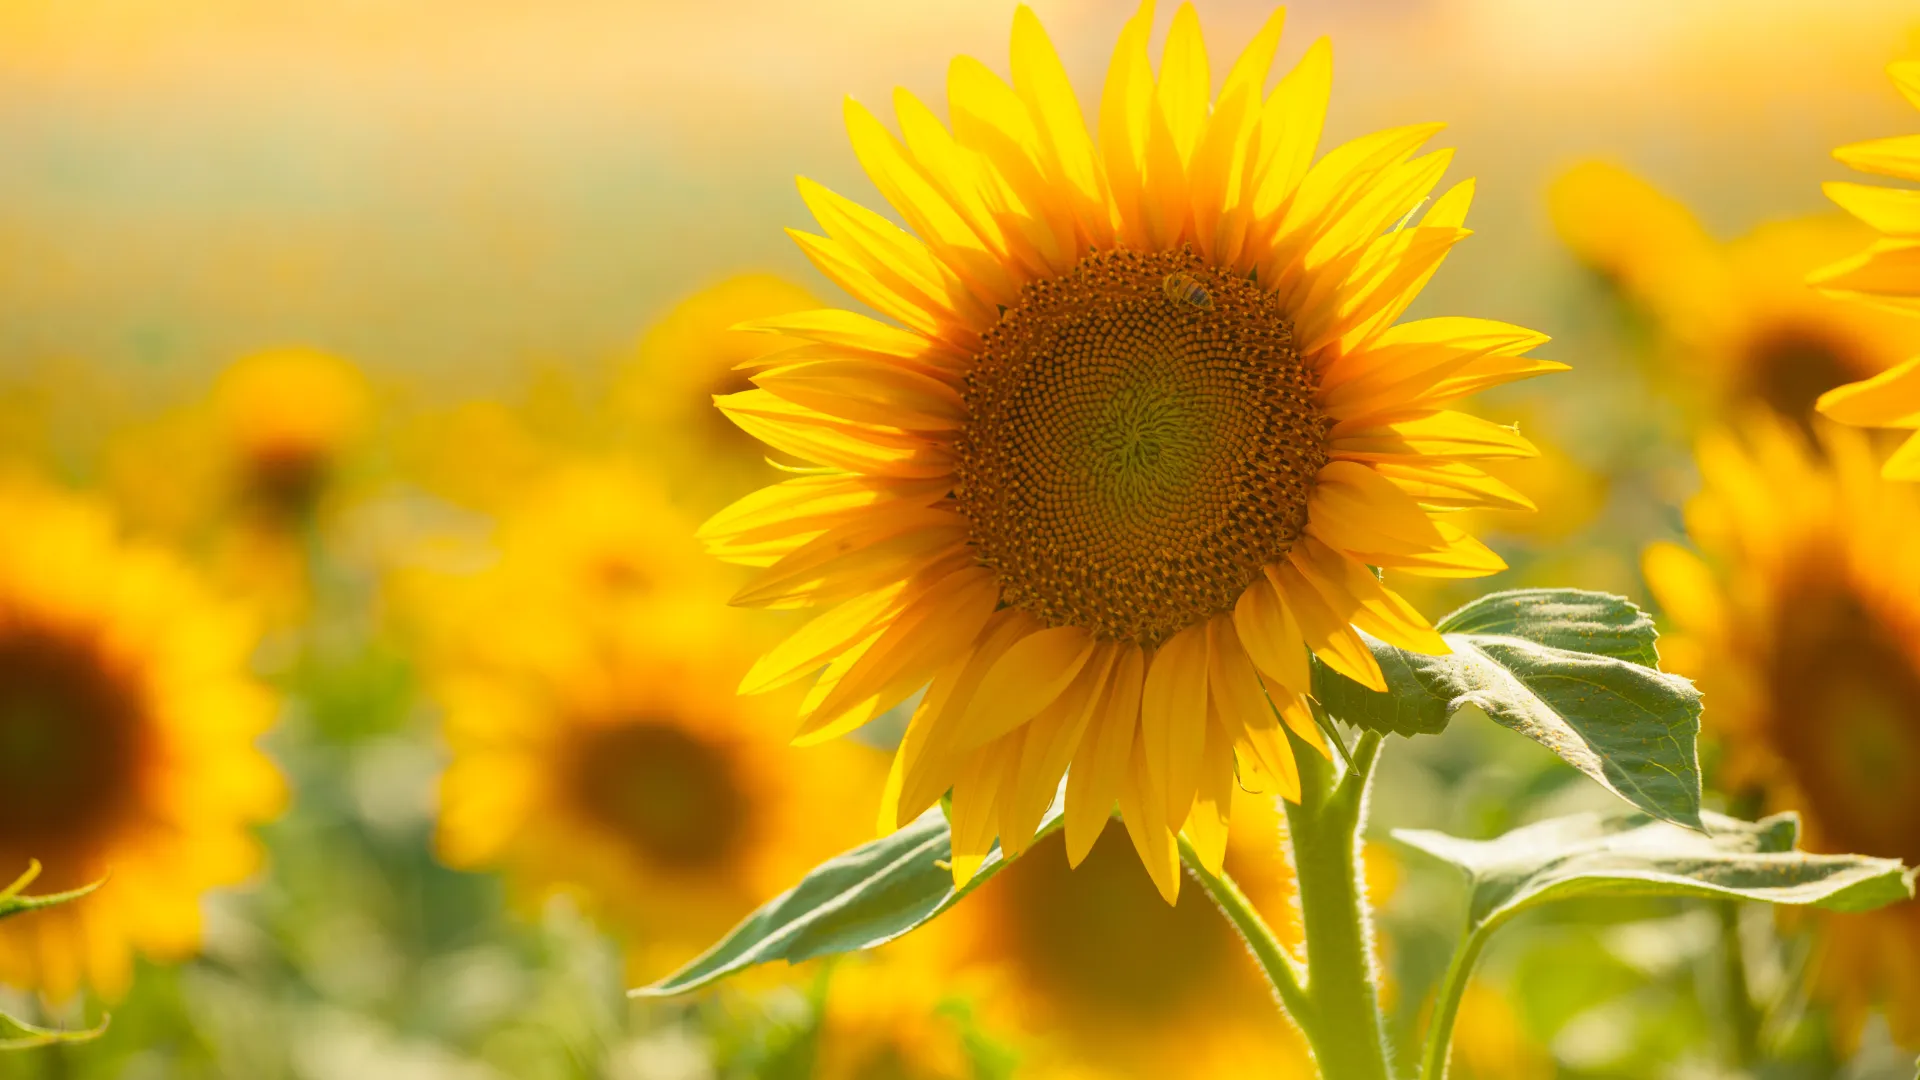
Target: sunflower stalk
(1336, 1001)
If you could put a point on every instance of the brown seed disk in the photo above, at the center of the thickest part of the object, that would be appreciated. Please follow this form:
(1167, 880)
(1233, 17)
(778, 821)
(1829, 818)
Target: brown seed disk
(1135, 452)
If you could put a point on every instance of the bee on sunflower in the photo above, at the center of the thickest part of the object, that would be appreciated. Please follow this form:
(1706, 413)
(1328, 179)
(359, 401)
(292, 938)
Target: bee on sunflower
(127, 727)
(1106, 523)
(1887, 274)
(1800, 618)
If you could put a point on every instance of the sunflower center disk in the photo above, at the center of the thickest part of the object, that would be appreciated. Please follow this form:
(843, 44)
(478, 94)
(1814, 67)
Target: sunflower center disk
(1141, 440)
(70, 738)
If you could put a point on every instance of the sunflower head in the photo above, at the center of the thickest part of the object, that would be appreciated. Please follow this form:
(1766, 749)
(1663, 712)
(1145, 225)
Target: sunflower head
(1800, 618)
(1734, 319)
(597, 747)
(1140, 431)
(288, 416)
(126, 725)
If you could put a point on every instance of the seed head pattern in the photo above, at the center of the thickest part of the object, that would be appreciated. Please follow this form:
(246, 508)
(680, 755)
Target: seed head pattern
(1130, 462)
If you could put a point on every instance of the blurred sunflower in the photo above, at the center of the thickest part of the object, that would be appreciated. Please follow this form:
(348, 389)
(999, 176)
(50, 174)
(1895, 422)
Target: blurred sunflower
(891, 1019)
(686, 360)
(127, 727)
(1802, 626)
(1490, 1041)
(1887, 273)
(1146, 426)
(597, 745)
(1734, 324)
(246, 471)
(1092, 968)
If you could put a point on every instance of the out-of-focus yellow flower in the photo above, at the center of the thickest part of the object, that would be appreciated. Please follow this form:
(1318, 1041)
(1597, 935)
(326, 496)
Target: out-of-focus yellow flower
(684, 361)
(1148, 419)
(598, 746)
(1734, 322)
(1887, 273)
(245, 474)
(1095, 971)
(1802, 625)
(286, 417)
(1489, 1042)
(127, 723)
(887, 1018)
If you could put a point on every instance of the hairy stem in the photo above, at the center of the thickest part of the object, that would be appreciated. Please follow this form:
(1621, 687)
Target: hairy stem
(1281, 969)
(1347, 1032)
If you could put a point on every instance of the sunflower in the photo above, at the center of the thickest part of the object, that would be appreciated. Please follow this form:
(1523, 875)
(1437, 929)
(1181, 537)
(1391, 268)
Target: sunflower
(127, 721)
(686, 360)
(1144, 425)
(1887, 273)
(1734, 324)
(597, 746)
(1802, 625)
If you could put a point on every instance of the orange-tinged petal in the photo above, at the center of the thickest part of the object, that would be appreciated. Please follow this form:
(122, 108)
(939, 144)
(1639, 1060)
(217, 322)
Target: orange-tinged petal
(1356, 595)
(989, 118)
(932, 759)
(1173, 712)
(837, 326)
(833, 564)
(1206, 823)
(1326, 633)
(1437, 433)
(1069, 154)
(1053, 739)
(867, 392)
(1026, 679)
(1126, 105)
(1146, 822)
(1269, 634)
(822, 638)
(1355, 509)
(1105, 754)
(1453, 486)
(977, 791)
(1289, 132)
(1889, 399)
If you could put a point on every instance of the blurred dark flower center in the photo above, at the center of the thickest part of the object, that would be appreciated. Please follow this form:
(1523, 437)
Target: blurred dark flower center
(71, 729)
(1788, 370)
(1844, 688)
(676, 798)
(1100, 939)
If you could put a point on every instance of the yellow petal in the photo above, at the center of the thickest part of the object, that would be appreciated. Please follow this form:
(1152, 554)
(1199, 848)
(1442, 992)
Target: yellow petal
(1069, 154)
(867, 392)
(822, 638)
(1685, 588)
(1289, 131)
(1329, 636)
(1173, 713)
(1146, 822)
(1126, 103)
(1241, 706)
(1889, 399)
(1355, 509)
(1355, 595)
(1898, 156)
(1206, 823)
(982, 783)
(1268, 632)
(1894, 211)
(1104, 755)
(1053, 739)
(1438, 433)
(932, 759)
(1023, 681)
(989, 118)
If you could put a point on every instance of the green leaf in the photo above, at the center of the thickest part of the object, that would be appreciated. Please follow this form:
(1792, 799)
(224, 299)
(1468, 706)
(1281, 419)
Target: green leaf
(857, 900)
(1630, 854)
(1571, 670)
(20, 1035)
(13, 903)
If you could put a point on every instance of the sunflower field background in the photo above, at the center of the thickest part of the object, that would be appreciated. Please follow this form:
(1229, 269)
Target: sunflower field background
(357, 365)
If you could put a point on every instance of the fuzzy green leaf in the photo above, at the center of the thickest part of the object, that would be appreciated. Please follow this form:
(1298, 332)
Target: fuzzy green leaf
(1630, 854)
(1571, 670)
(857, 900)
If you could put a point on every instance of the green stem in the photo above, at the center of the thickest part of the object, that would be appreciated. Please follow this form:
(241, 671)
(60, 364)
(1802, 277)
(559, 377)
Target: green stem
(1435, 1058)
(1347, 1032)
(1746, 1018)
(1281, 969)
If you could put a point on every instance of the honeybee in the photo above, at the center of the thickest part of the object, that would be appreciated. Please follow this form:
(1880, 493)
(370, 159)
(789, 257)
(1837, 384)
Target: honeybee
(1183, 289)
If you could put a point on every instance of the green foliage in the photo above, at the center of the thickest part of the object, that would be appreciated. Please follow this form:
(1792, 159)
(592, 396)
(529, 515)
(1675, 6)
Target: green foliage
(857, 900)
(1569, 669)
(1631, 854)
